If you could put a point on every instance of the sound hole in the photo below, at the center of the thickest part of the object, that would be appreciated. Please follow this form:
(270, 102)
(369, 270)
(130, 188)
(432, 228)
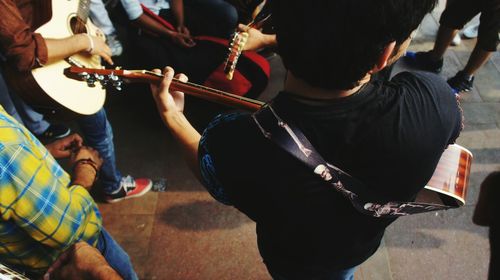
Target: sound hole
(77, 25)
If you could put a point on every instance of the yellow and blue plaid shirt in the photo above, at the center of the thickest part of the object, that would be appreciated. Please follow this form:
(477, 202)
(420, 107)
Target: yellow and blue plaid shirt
(41, 213)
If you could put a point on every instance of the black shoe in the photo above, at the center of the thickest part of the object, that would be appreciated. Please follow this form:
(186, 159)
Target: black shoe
(55, 131)
(461, 82)
(423, 61)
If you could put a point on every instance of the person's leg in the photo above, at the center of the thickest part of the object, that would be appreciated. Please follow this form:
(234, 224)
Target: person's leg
(6, 101)
(454, 17)
(116, 257)
(100, 18)
(211, 17)
(486, 45)
(20, 110)
(98, 134)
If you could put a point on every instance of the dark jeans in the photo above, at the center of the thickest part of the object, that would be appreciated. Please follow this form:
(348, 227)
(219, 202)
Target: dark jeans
(98, 134)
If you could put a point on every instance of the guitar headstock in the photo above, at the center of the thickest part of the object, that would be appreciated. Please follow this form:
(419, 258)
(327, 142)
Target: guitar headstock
(109, 77)
(238, 41)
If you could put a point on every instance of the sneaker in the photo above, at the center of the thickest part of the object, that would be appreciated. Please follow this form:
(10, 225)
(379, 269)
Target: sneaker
(114, 44)
(470, 32)
(456, 40)
(130, 187)
(55, 131)
(423, 61)
(461, 83)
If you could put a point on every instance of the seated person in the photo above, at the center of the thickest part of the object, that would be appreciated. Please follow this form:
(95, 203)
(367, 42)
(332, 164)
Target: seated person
(44, 210)
(25, 50)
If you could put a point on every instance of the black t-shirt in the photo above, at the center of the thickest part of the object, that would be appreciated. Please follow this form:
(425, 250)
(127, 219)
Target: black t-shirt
(390, 135)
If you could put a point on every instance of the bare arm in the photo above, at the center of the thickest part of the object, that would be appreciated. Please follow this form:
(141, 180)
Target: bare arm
(58, 49)
(170, 106)
(81, 262)
(151, 25)
(177, 7)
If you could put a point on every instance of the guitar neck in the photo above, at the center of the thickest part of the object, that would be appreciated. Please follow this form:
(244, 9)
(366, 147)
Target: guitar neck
(206, 93)
(83, 10)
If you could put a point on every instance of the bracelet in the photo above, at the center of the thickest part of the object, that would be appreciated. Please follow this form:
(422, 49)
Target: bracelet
(89, 162)
(91, 48)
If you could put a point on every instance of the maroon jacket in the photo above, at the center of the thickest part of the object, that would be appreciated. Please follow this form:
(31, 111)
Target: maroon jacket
(23, 48)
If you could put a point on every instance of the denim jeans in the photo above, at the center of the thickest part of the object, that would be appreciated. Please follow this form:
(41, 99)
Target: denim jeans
(116, 257)
(98, 134)
(345, 274)
(19, 110)
(100, 17)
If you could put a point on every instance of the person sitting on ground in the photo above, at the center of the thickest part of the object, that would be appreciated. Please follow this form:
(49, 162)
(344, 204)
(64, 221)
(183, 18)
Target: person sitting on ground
(44, 210)
(373, 130)
(454, 17)
(25, 50)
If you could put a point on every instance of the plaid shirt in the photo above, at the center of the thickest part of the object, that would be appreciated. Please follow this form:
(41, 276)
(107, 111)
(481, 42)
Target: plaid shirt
(41, 212)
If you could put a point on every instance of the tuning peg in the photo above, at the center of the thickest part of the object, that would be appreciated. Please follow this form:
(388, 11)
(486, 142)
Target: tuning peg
(84, 76)
(91, 79)
(115, 81)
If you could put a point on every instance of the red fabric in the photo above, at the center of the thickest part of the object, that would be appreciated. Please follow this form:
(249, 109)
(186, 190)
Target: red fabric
(239, 85)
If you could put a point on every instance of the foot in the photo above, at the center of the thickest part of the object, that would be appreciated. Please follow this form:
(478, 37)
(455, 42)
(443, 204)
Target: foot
(423, 61)
(456, 40)
(461, 82)
(130, 187)
(54, 131)
(471, 31)
(114, 44)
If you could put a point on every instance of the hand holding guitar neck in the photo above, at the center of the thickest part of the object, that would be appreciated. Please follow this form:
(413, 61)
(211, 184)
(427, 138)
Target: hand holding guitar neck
(116, 77)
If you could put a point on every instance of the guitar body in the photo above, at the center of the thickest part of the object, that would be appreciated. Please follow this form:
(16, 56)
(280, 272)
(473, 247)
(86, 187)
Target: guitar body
(451, 177)
(47, 87)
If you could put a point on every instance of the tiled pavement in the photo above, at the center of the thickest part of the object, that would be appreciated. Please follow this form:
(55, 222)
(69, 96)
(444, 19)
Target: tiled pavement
(184, 234)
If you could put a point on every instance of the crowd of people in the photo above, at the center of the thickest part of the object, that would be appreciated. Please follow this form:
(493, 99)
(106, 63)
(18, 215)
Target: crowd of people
(51, 226)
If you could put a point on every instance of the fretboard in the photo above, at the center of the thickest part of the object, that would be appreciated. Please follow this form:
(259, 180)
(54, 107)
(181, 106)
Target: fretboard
(83, 10)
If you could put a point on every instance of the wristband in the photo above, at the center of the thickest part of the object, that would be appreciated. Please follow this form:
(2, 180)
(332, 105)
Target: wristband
(89, 162)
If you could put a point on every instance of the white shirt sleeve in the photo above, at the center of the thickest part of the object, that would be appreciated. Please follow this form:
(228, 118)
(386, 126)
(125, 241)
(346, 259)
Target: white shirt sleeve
(132, 8)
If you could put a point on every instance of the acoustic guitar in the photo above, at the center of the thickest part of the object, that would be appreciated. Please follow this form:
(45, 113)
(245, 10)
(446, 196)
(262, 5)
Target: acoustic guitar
(9, 274)
(449, 181)
(46, 87)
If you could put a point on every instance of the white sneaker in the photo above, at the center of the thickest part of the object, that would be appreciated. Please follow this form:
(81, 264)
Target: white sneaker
(456, 40)
(114, 44)
(471, 31)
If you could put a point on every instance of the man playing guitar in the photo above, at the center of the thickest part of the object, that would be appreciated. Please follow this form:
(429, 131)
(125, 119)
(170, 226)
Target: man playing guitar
(387, 134)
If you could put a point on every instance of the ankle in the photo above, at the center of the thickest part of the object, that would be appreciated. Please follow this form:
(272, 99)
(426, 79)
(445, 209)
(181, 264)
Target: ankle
(434, 57)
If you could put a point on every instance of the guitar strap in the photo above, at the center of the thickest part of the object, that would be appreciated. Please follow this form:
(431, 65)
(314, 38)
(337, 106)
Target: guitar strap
(291, 139)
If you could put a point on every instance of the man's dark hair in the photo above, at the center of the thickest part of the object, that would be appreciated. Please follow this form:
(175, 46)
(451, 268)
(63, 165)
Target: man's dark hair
(332, 44)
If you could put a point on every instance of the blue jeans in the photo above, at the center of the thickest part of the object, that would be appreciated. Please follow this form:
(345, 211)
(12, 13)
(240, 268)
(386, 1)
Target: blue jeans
(345, 274)
(19, 110)
(116, 257)
(98, 134)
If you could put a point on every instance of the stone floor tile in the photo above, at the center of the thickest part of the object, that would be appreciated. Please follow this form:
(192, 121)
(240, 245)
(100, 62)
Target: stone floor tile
(133, 233)
(440, 245)
(198, 238)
